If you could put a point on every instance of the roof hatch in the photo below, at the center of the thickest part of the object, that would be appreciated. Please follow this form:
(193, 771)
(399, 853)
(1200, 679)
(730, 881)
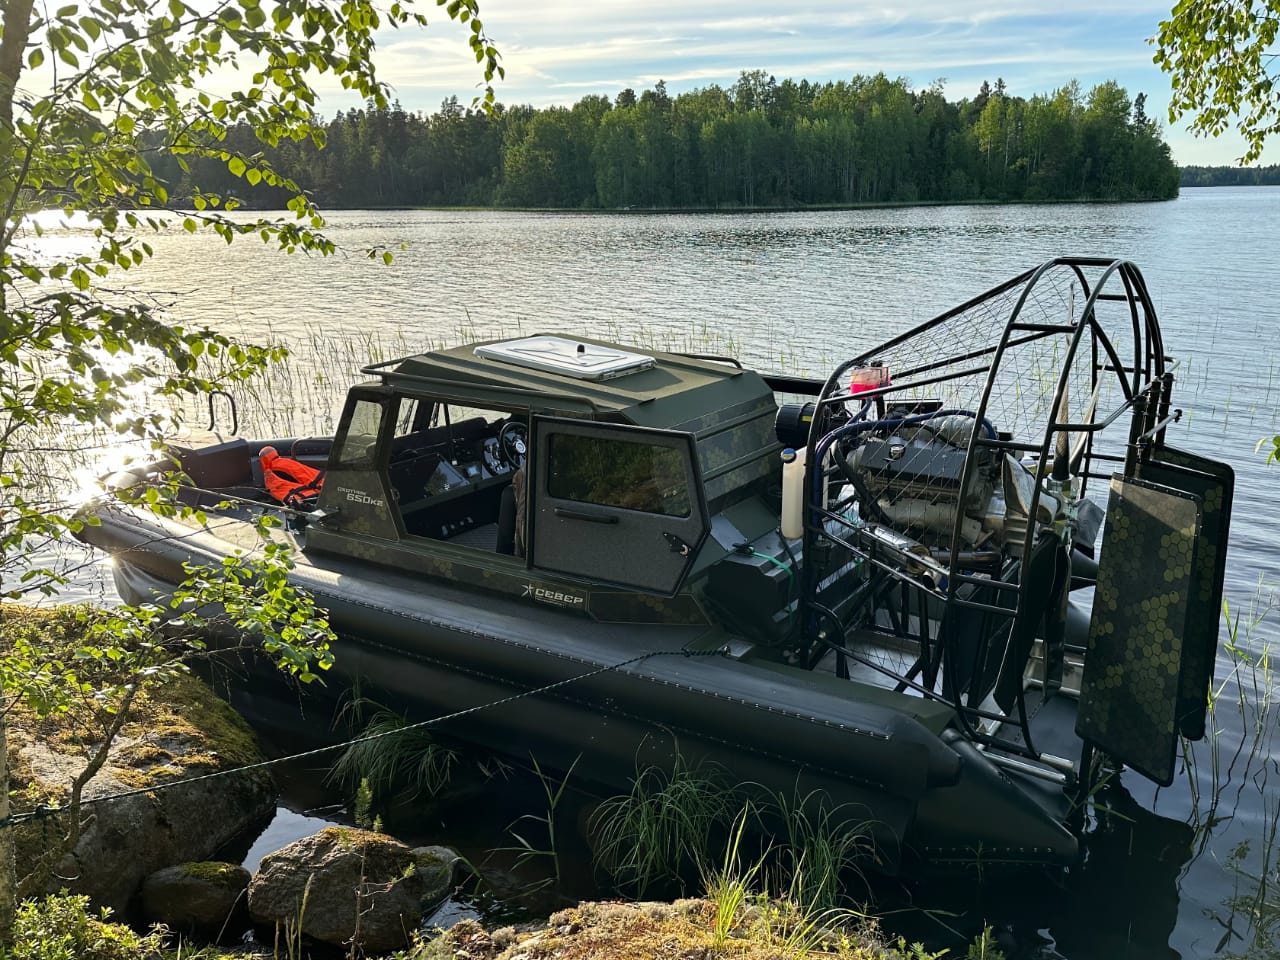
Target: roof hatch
(571, 358)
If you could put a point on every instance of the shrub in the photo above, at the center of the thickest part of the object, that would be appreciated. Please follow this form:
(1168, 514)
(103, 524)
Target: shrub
(65, 928)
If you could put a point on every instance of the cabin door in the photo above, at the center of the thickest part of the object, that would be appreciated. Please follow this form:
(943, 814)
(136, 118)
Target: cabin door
(617, 505)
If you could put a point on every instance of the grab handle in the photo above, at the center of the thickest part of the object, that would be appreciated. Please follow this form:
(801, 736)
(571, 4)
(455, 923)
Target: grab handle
(231, 403)
(581, 515)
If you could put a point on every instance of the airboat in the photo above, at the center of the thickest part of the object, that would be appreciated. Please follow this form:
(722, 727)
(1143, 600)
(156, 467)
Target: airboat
(942, 588)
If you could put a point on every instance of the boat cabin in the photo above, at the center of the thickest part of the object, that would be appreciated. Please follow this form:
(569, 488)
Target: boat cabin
(576, 460)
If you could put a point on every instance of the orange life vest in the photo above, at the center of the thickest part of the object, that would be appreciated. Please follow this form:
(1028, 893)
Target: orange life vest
(290, 482)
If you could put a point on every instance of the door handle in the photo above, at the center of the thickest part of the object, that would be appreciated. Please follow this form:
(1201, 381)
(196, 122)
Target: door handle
(677, 545)
(583, 515)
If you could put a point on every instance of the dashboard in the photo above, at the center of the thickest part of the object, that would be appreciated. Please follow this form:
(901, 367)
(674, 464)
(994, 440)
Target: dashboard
(419, 475)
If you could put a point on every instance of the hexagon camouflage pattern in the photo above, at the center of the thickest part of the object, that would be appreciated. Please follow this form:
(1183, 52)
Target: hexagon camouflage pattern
(1129, 699)
(1214, 483)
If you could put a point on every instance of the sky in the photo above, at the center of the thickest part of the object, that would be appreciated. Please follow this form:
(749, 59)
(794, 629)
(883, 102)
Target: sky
(557, 51)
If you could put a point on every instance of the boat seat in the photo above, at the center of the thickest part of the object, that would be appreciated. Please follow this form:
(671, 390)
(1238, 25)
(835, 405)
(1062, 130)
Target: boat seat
(478, 538)
(217, 465)
(446, 516)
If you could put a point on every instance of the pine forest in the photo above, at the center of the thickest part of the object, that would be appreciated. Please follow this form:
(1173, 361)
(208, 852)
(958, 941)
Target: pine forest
(758, 144)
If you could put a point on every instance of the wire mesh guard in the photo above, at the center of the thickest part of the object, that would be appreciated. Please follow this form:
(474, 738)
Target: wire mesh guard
(955, 480)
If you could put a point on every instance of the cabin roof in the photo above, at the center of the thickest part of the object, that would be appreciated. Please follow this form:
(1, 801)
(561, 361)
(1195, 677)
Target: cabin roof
(676, 391)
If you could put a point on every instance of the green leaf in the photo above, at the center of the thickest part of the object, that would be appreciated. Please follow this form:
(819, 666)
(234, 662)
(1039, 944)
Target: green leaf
(236, 166)
(35, 58)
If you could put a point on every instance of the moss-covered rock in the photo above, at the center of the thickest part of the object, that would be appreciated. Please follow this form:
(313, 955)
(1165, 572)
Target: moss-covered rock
(207, 899)
(175, 730)
(345, 886)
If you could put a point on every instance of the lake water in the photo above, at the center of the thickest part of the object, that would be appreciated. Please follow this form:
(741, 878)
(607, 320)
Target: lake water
(1190, 871)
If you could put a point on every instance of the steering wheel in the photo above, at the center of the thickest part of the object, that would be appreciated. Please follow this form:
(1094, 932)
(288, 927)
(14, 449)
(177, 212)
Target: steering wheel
(513, 443)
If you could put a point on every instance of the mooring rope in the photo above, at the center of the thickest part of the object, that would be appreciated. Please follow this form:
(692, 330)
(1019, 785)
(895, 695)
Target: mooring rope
(42, 811)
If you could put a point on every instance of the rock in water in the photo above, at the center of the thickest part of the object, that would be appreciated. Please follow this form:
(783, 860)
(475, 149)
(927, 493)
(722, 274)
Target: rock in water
(206, 899)
(351, 887)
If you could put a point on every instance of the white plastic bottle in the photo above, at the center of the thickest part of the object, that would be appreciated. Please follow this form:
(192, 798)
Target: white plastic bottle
(793, 493)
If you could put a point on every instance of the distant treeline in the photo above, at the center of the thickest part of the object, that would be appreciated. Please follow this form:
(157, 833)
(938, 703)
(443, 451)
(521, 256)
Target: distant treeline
(759, 143)
(1230, 176)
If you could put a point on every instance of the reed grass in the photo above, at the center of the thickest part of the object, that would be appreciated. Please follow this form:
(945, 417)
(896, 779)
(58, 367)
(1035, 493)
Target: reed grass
(729, 888)
(665, 828)
(662, 828)
(825, 846)
(1252, 923)
(527, 850)
(746, 908)
(288, 936)
(1255, 899)
(400, 759)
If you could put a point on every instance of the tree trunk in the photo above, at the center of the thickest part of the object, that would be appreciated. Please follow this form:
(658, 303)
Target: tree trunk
(13, 40)
(17, 29)
(8, 879)
(8, 870)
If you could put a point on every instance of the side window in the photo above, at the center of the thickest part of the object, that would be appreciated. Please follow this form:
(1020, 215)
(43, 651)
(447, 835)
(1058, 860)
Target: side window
(360, 438)
(615, 504)
(612, 472)
(457, 413)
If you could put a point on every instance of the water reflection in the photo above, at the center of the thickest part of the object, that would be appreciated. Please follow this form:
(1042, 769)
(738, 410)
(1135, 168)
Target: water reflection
(1128, 885)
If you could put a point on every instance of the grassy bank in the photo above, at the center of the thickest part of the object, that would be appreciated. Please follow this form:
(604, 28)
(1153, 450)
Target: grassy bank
(735, 918)
(62, 928)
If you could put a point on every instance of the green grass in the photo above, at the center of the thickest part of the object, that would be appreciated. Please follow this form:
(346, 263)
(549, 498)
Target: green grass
(528, 850)
(408, 760)
(825, 846)
(1251, 914)
(666, 829)
(663, 828)
(730, 887)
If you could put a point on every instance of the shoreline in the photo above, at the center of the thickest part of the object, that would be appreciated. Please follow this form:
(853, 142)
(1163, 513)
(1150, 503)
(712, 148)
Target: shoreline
(326, 208)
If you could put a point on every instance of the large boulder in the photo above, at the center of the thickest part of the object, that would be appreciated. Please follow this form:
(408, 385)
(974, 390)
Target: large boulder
(351, 887)
(178, 730)
(206, 899)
